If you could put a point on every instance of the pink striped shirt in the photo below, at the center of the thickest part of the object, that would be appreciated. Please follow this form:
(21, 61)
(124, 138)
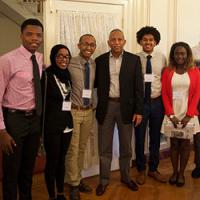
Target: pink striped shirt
(16, 80)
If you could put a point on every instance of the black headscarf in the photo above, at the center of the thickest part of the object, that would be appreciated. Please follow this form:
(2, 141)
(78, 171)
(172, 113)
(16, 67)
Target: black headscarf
(62, 74)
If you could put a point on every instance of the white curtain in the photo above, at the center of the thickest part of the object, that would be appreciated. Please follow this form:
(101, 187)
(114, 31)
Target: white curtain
(71, 25)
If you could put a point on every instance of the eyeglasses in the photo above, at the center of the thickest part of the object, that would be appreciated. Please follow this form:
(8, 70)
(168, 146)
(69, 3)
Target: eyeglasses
(61, 57)
(85, 44)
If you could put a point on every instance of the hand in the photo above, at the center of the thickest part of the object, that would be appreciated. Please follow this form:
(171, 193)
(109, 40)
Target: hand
(41, 150)
(7, 142)
(137, 119)
(185, 120)
(174, 121)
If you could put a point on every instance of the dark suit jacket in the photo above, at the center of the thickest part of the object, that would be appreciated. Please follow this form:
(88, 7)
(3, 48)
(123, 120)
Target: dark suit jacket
(131, 86)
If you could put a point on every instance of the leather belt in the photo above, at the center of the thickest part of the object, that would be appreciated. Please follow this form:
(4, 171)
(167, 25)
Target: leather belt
(114, 99)
(76, 107)
(26, 113)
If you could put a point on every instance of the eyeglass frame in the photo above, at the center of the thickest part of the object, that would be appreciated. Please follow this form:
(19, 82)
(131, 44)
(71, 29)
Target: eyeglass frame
(61, 57)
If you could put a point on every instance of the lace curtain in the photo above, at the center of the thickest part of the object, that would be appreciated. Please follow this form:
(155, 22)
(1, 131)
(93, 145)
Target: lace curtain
(71, 25)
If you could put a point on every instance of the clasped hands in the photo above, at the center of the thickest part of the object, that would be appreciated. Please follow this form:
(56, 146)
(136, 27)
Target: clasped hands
(175, 121)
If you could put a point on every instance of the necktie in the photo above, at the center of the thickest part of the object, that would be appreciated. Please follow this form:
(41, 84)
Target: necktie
(148, 84)
(86, 101)
(37, 86)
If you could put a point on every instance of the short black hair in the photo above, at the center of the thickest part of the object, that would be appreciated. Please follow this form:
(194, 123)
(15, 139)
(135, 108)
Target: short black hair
(148, 30)
(87, 34)
(31, 21)
(116, 30)
(54, 52)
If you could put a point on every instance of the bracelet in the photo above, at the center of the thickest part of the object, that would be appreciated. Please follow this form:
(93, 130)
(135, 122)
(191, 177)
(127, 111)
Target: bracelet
(171, 116)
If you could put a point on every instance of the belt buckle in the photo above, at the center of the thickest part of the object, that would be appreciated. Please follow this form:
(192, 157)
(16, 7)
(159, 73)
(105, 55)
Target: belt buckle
(87, 107)
(28, 113)
(12, 110)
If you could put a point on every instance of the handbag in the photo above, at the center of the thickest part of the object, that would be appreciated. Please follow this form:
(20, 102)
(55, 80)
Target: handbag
(179, 132)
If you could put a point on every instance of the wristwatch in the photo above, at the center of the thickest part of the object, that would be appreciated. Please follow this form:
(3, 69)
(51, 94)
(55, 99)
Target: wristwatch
(171, 116)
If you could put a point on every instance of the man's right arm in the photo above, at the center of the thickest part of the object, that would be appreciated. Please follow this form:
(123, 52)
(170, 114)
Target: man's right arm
(6, 141)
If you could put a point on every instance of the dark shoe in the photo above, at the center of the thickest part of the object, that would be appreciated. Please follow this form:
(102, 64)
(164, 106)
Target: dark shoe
(100, 190)
(131, 185)
(157, 176)
(180, 181)
(74, 193)
(60, 197)
(196, 173)
(141, 177)
(84, 188)
(173, 179)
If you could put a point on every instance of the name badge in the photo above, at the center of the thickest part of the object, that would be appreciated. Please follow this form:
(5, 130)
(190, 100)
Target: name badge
(66, 106)
(177, 95)
(87, 94)
(148, 77)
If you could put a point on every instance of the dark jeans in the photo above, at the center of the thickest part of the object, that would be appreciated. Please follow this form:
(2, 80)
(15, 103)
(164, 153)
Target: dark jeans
(153, 116)
(18, 167)
(56, 146)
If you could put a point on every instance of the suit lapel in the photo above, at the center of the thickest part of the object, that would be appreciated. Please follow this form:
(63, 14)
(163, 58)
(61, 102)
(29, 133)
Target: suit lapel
(123, 67)
(106, 66)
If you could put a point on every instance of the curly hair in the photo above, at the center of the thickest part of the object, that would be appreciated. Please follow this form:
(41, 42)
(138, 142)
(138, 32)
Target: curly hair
(148, 30)
(189, 61)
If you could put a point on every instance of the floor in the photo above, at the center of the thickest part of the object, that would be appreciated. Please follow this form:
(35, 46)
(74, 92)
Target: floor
(151, 190)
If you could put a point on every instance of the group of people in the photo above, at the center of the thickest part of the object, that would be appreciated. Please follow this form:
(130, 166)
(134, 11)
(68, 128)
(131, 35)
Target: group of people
(132, 90)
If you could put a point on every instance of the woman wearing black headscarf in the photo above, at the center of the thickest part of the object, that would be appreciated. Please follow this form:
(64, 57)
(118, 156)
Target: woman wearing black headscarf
(58, 122)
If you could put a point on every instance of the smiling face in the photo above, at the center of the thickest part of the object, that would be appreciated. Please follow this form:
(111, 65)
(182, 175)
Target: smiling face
(180, 55)
(116, 42)
(31, 37)
(87, 46)
(148, 43)
(62, 58)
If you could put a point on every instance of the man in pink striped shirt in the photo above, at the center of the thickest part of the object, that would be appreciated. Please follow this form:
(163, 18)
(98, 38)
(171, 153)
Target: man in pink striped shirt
(19, 121)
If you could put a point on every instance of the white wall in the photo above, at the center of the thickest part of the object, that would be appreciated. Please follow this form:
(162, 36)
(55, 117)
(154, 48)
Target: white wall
(10, 32)
(122, 8)
(177, 20)
(188, 21)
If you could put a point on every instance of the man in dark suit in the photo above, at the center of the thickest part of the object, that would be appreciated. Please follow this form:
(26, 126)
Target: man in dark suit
(119, 85)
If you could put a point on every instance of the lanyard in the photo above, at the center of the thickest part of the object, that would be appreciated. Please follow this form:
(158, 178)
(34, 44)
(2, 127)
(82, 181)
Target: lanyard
(65, 90)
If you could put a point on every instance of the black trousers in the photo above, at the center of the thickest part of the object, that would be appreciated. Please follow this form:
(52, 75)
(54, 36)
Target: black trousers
(152, 116)
(56, 146)
(18, 167)
(196, 140)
